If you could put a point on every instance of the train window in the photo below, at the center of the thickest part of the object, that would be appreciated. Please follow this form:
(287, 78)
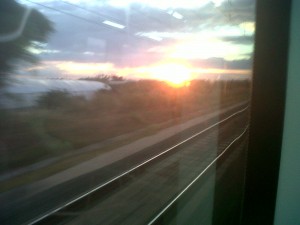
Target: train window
(270, 73)
(124, 111)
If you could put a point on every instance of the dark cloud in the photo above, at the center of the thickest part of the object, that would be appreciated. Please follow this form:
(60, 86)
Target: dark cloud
(241, 40)
(239, 11)
(221, 63)
(240, 64)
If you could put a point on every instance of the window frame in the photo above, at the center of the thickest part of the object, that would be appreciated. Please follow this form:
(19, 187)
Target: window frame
(267, 111)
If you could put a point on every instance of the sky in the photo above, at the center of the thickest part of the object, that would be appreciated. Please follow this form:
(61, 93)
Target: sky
(146, 39)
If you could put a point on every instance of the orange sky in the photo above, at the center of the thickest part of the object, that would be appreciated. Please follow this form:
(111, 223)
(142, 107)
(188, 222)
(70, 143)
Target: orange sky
(175, 72)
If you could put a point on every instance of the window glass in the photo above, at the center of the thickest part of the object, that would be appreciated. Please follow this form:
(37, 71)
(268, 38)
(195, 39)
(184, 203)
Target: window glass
(116, 111)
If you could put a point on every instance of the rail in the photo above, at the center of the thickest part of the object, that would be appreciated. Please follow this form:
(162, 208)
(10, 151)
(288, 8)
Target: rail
(41, 218)
(197, 178)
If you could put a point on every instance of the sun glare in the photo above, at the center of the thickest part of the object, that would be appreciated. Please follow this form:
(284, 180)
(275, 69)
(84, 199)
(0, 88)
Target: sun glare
(176, 75)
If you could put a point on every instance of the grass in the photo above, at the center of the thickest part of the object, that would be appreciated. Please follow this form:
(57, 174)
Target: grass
(70, 161)
(131, 110)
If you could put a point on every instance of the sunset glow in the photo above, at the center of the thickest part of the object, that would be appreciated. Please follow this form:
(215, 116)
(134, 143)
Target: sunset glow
(83, 68)
(204, 42)
(177, 75)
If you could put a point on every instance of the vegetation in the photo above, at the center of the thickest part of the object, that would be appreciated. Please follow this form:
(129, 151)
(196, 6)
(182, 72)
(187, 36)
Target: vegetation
(62, 123)
(17, 47)
(104, 78)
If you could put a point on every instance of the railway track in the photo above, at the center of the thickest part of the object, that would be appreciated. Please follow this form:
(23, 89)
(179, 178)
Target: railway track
(163, 169)
(153, 186)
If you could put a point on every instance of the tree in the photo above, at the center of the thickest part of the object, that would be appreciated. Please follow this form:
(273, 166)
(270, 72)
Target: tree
(117, 78)
(20, 29)
(54, 99)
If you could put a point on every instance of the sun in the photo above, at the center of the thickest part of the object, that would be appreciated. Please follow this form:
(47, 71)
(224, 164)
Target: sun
(176, 75)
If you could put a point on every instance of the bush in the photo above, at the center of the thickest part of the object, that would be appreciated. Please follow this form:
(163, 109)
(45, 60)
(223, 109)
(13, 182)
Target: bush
(54, 99)
(38, 133)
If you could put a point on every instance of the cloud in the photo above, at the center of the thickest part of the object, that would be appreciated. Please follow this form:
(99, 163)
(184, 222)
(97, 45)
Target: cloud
(248, 40)
(220, 63)
(151, 34)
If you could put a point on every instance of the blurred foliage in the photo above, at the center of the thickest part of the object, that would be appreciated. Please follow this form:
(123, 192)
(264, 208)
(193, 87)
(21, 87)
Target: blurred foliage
(104, 78)
(61, 100)
(62, 123)
(54, 99)
(22, 138)
(13, 49)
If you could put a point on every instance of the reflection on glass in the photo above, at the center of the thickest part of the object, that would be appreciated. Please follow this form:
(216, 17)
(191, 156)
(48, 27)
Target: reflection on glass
(88, 86)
